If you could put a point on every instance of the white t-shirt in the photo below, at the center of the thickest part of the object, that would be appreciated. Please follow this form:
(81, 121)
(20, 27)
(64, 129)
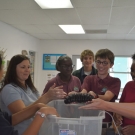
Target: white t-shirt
(87, 73)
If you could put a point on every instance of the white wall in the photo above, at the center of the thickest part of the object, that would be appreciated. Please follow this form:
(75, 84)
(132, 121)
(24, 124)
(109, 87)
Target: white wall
(15, 41)
(75, 47)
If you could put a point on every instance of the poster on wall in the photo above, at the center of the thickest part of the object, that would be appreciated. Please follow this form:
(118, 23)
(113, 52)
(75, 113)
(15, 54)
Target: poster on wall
(51, 75)
(49, 61)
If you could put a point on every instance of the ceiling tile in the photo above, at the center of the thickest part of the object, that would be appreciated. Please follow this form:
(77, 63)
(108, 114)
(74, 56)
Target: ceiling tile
(94, 15)
(28, 28)
(18, 4)
(119, 28)
(96, 36)
(91, 3)
(24, 17)
(123, 16)
(133, 30)
(130, 36)
(41, 36)
(60, 36)
(33, 17)
(63, 16)
(50, 28)
(124, 3)
(8, 16)
(79, 36)
(94, 27)
(116, 36)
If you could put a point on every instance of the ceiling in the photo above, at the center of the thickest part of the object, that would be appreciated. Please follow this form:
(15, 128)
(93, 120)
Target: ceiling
(101, 19)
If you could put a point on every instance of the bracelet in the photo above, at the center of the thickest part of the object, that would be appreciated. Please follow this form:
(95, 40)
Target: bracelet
(41, 114)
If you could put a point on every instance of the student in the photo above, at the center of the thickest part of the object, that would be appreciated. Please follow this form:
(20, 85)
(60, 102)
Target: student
(18, 91)
(128, 96)
(87, 59)
(7, 121)
(102, 85)
(65, 79)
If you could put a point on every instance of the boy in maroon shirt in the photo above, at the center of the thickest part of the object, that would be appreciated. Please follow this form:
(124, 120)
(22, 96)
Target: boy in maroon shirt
(103, 85)
(128, 96)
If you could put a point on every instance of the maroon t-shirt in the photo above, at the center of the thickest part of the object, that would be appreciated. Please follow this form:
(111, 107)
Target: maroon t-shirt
(73, 85)
(128, 96)
(100, 86)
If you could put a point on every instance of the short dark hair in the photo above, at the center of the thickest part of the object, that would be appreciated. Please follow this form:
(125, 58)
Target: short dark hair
(104, 54)
(11, 75)
(60, 61)
(133, 57)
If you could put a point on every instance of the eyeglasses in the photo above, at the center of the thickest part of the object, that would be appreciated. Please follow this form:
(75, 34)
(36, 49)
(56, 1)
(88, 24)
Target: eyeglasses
(104, 63)
(67, 67)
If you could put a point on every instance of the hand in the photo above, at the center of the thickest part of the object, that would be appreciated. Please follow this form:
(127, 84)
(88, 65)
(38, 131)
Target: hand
(96, 104)
(56, 92)
(72, 92)
(83, 91)
(93, 94)
(118, 119)
(128, 130)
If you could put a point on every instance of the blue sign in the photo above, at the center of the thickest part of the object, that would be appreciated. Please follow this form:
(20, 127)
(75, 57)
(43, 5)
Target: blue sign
(49, 61)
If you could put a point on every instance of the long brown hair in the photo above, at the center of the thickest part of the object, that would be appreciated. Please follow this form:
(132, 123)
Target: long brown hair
(11, 75)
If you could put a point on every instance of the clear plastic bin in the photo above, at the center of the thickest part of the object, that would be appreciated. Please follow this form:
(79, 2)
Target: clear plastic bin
(72, 121)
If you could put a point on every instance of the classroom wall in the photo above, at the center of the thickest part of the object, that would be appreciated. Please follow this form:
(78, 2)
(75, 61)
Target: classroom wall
(75, 47)
(15, 41)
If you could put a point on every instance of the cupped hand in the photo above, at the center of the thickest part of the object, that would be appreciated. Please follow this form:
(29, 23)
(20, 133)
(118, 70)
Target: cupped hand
(56, 92)
(72, 92)
(96, 104)
(93, 94)
(118, 119)
(128, 130)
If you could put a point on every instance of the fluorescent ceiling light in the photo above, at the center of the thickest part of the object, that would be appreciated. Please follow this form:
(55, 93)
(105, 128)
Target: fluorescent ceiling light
(72, 29)
(54, 3)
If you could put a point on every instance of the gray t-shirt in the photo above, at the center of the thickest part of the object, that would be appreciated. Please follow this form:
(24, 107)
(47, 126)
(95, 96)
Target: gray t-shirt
(11, 93)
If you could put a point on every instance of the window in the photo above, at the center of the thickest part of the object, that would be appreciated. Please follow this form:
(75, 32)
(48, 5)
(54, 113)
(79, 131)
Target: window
(77, 62)
(121, 69)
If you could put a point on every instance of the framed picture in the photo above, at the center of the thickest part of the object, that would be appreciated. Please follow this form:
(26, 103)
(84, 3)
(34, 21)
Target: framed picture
(49, 61)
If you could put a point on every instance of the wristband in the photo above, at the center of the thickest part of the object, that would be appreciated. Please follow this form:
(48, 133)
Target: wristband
(41, 114)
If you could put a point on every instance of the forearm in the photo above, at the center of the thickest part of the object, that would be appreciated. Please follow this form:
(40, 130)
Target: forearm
(34, 127)
(103, 97)
(26, 113)
(124, 109)
(43, 99)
